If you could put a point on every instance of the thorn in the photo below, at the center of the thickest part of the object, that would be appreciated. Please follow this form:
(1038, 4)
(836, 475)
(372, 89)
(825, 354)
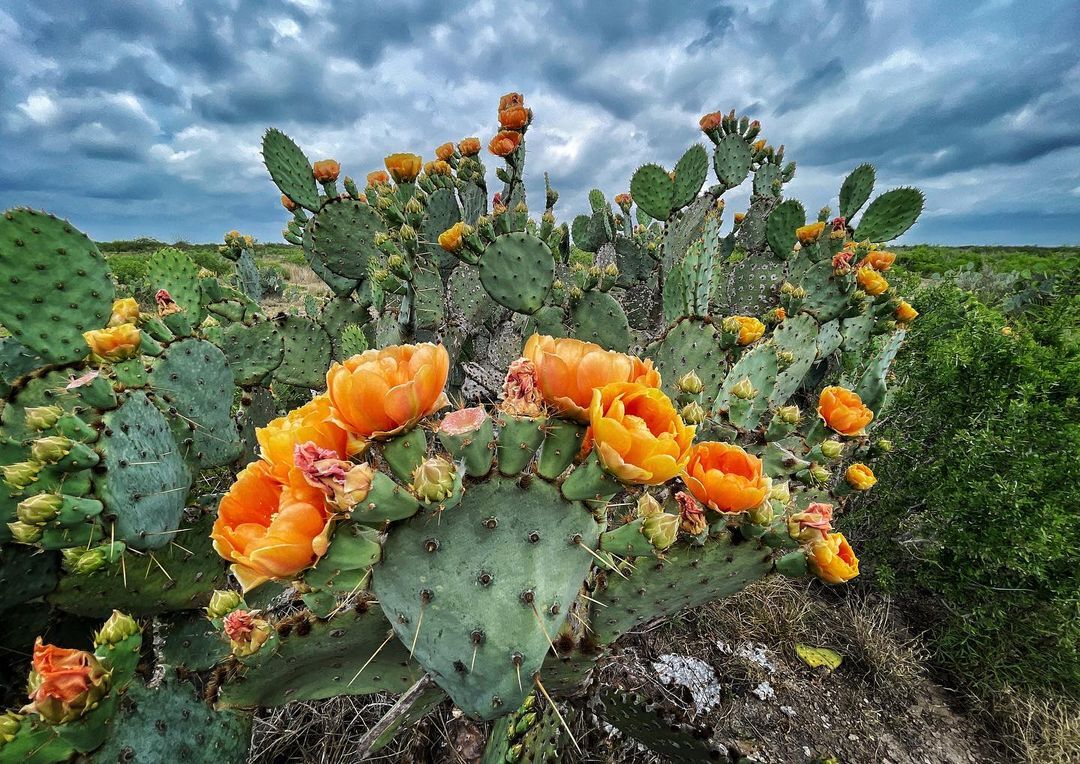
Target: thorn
(155, 560)
(472, 664)
(416, 636)
(369, 660)
(595, 602)
(555, 708)
(182, 548)
(543, 628)
(605, 562)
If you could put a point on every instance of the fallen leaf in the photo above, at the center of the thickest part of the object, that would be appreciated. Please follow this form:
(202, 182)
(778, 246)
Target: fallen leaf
(818, 656)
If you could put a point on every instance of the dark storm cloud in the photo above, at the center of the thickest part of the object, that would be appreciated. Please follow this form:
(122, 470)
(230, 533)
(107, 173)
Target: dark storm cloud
(144, 118)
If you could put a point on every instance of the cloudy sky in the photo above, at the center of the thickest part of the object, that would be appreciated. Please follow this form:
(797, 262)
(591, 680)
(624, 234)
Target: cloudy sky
(143, 117)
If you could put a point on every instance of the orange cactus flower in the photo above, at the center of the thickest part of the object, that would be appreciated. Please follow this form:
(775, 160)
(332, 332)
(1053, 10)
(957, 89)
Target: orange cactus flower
(378, 178)
(268, 528)
(832, 559)
(808, 234)
(710, 121)
(905, 313)
(514, 117)
(445, 151)
(844, 411)
(117, 343)
(404, 167)
(288, 203)
(568, 370)
(469, 147)
(326, 170)
(64, 684)
(309, 423)
(879, 259)
(452, 239)
(505, 143)
(624, 200)
(779, 314)
(750, 329)
(637, 434)
(437, 167)
(872, 282)
(511, 99)
(725, 478)
(860, 477)
(381, 393)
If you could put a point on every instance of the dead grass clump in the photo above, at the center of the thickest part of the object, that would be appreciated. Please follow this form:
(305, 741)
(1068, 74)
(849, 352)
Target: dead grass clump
(1042, 729)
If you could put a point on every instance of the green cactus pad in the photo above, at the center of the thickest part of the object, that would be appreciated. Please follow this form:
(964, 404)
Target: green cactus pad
(598, 317)
(174, 271)
(890, 214)
(257, 408)
(306, 353)
(247, 276)
(188, 639)
(37, 743)
(548, 320)
(691, 345)
(253, 351)
(828, 296)
(780, 227)
(697, 270)
(653, 191)
(690, 174)
(857, 332)
(484, 594)
(182, 576)
(55, 285)
(470, 306)
(519, 437)
(658, 729)
(440, 213)
(829, 338)
(517, 270)
(765, 180)
(25, 572)
(797, 335)
(194, 387)
(429, 304)
(339, 285)
(49, 390)
(290, 169)
(731, 160)
(583, 235)
(473, 202)
(316, 659)
(633, 261)
(855, 190)
(687, 227)
(16, 360)
(759, 366)
(342, 237)
(688, 576)
(169, 723)
(871, 387)
(337, 314)
(145, 482)
(673, 299)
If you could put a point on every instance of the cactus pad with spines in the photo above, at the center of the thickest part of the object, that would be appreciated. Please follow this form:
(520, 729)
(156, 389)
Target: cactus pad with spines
(517, 270)
(306, 353)
(253, 351)
(856, 189)
(690, 173)
(890, 214)
(653, 191)
(598, 317)
(690, 345)
(342, 237)
(174, 271)
(798, 336)
(290, 169)
(781, 225)
(55, 285)
(731, 160)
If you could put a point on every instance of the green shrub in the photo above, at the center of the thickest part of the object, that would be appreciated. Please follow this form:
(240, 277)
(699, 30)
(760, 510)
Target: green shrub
(979, 525)
(927, 258)
(207, 257)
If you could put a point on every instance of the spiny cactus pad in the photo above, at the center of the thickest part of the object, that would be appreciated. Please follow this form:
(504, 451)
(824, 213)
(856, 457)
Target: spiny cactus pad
(290, 169)
(172, 270)
(342, 237)
(517, 271)
(307, 353)
(890, 214)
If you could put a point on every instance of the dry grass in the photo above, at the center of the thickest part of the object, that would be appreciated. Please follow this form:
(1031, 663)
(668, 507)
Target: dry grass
(1039, 730)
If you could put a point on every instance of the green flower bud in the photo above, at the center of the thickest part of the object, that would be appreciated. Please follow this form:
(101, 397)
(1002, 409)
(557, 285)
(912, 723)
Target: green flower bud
(883, 445)
(762, 514)
(731, 325)
(83, 562)
(25, 533)
(787, 288)
(115, 630)
(789, 414)
(50, 449)
(414, 207)
(692, 413)
(9, 726)
(433, 480)
(819, 474)
(42, 417)
(785, 358)
(20, 474)
(39, 509)
(611, 269)
(661, 529)
(521, 209)
(648, 505)
(831, 449)
(222, 602)
(744, 389)
(690, 383)
(799, 293)
(780, 492)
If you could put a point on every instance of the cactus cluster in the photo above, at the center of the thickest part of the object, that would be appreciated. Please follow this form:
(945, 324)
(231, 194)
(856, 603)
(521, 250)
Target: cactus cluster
(677, 420)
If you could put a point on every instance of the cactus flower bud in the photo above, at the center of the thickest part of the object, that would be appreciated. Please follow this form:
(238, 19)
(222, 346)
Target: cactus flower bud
(469, 147)
(83, 562)
(884, 445)
(762, 514)
(789, 414)
(819, 474)
(744, 389)
(223, 602)
(731, 325)
(25, 533)
(648, 505)
(288, 203)
(50, 449)
(860, 477)
(64, 684)
(115, 630)
(690, 383)
(780, 492)
(453, 238)
(433, 480)
(831, 449)
(39, 509)
(787, 288)
(785, 358)
(124, 311)
(808, 234)
(691, 514)
(9, 726)
(20, 474)
(326, 170)
(42, 417)
(661, 529)
(693, 413)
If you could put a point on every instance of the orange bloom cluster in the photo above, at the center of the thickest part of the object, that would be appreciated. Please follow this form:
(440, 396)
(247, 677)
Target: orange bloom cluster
(513, 119)
(725, 478)
(569, 370)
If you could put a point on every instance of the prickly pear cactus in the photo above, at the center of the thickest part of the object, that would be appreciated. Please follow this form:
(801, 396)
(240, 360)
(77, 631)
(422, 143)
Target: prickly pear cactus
(677, 418)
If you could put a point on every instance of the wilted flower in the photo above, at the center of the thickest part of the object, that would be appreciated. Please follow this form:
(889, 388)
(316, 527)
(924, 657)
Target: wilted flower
(811, 524)
(521, 394)
(246, 632)
(691, 515)
(311, 423)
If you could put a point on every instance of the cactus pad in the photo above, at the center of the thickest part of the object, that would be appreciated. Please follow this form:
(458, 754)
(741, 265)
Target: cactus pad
(253, 351)
(146, 481)
(476, 595)
(890, 214)
(780, 227)
(338, 313)
(653, 191)
(658, 729)
(441, 212)
(731, 161)
(174, 271)
(55, 285)
(797, 335)
(342, 237)
(598, 317)
(25, 573)
(690, 173)
(690, 345)
(517, 270)
(855, 190)
(290, 169)
(306, 354)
